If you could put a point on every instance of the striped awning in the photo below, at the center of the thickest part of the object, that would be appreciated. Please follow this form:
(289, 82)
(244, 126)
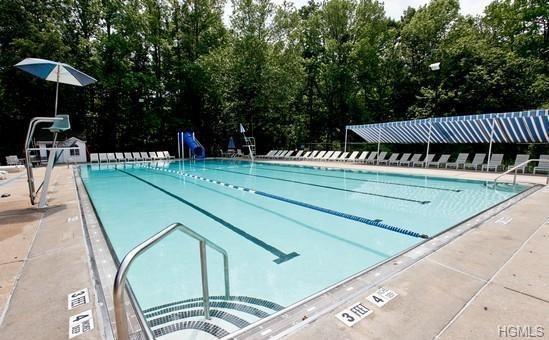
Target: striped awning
(509, 127)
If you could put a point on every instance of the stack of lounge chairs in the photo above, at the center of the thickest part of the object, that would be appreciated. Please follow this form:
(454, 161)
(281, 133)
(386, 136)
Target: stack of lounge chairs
(117, 157)
(479, 161)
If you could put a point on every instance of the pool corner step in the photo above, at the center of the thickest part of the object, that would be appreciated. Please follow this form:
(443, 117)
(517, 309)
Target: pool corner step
(228, 314)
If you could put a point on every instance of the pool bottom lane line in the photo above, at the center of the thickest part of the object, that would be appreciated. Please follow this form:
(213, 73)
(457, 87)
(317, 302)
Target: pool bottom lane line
(281, 256)
(322, 186)
(370, 222)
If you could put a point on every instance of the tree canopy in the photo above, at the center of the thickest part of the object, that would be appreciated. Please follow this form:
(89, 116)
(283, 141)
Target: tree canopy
(291, 76)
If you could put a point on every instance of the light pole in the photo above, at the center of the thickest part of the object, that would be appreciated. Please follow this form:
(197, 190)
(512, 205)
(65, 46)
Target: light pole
(435, 67)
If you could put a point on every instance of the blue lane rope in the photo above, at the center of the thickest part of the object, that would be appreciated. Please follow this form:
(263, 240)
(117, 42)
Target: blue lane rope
(323, 186)
(268, 167)
(375, 223)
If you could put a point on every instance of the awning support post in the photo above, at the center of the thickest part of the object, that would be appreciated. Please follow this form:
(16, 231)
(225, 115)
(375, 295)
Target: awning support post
(378, 145)
(490, 147)
(178, 145)
(428, 143)
(345, 145)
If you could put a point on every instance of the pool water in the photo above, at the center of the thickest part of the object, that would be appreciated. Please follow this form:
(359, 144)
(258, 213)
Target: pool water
(289, 231)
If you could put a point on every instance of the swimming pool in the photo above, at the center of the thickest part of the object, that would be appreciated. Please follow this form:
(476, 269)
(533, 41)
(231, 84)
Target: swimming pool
(289, 231)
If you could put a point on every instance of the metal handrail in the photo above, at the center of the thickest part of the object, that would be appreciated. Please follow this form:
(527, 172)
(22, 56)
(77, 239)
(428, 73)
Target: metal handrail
(120, 279)
(515, 168)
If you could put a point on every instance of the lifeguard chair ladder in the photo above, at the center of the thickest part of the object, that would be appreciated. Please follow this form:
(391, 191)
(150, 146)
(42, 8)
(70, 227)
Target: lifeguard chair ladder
(60, 123)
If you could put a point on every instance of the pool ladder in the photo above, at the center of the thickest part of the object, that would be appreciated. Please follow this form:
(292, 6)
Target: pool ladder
(120, 279)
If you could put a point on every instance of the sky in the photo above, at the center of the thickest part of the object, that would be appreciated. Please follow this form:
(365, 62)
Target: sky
(394, 8)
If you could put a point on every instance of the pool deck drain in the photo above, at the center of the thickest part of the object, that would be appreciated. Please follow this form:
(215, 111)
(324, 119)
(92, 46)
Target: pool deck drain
(473, 282)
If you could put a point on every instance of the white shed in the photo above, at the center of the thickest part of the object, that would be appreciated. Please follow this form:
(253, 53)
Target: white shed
(75, 155)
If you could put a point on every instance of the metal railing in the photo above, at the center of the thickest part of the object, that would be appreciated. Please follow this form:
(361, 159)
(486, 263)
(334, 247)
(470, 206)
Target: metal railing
(515, 168)
(120, 279)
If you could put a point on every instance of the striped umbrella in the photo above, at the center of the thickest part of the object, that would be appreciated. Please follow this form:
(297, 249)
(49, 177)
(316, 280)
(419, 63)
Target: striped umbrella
(55, 71)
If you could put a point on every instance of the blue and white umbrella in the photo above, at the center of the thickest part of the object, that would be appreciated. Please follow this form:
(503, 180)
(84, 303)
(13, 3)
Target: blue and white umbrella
(55, 71)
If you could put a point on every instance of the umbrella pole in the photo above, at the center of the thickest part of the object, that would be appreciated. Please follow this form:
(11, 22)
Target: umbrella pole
(56, 99)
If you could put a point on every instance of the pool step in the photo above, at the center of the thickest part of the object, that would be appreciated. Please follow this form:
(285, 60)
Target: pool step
(228, 314)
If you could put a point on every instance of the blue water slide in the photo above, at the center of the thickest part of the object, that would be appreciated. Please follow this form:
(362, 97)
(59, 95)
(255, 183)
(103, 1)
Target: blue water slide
(194, 145)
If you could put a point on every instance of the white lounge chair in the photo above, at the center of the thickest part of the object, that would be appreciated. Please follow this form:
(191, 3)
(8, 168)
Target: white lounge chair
(327, 155)
(312, 155)
(362, 158)
(297, 155)
(306, 155)
(443, 159)
(111, 157)
(281, 154)
(477, 162)
(119, 157)
(268, 154)
(352, 157)
(153, 155)
(372, 158)
(94, 158)
(342, 157)
(160, 155)
(128, 156)
(494, 163)
(167, 155)
(145, 156)
(415, 158)
(543, 164)
(381, 157)
(391, 159)
(404, 158)
(320, 155)
(137, 156)
(12, 160)
(521, 158)
(428, 159)
(460, 161)
(334, 156)
(103, 158)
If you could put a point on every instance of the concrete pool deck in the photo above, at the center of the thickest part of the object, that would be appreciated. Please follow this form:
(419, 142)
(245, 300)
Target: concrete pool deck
(493, 274)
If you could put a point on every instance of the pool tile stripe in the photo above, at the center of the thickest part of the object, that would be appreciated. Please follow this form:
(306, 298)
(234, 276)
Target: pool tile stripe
(214, 304)
(207, 327)
(246, 299)
(371, 222)
(281, 256)
(215, 313)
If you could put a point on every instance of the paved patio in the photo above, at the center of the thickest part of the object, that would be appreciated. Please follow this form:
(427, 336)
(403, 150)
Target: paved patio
(43, 258)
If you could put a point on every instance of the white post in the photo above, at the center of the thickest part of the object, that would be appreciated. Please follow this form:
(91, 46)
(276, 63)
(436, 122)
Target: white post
(345, 145)
(490, 147)
(45, 186)
(378, 144)
(178, 146)
(57, 89)
(428, 143)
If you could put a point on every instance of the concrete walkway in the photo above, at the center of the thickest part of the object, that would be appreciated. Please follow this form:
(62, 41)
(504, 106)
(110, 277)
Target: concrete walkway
(43, 258)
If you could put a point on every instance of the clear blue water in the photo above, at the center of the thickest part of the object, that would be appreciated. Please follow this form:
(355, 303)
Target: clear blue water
(287, 214)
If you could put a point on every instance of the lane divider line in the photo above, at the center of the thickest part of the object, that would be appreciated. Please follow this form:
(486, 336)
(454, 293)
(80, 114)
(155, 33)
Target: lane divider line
(281, 256)
(371, 222)
(268, 166)
(323, 186)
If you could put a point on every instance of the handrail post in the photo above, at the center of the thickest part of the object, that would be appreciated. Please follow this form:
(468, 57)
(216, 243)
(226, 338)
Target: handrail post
(120, 278)
(204, 271)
